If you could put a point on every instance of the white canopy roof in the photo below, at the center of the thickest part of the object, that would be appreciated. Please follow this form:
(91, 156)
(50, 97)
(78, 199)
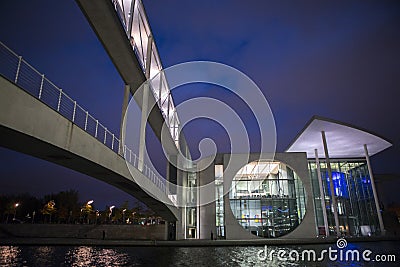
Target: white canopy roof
(343, 140)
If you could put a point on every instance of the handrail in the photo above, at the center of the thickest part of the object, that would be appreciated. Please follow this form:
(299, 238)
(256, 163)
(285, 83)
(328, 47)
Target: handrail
(134, 21)
(14, 68)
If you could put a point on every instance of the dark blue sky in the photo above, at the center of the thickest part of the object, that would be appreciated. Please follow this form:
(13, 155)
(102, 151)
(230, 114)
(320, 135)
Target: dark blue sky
(338, 59)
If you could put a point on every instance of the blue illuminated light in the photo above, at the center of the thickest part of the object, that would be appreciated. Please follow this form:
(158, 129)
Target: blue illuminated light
(365, 180)
(339, 184)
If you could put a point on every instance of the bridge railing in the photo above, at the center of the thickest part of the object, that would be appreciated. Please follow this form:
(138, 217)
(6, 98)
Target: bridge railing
(17, 70)
(134, 21)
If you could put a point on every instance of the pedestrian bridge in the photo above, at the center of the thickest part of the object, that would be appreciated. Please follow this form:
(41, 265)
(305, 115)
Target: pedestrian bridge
(39, 119)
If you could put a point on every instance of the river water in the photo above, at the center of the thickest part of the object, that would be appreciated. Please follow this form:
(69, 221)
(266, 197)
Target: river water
(200, 256)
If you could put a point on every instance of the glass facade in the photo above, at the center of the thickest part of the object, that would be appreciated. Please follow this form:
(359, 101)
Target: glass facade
(353, 191)
(191, 209)
(219, 202)
(267, 198)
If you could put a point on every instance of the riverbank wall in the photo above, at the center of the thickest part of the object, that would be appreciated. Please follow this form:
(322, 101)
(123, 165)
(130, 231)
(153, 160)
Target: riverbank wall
(111, 232)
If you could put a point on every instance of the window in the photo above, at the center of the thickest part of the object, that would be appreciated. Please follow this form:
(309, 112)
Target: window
(267, 198)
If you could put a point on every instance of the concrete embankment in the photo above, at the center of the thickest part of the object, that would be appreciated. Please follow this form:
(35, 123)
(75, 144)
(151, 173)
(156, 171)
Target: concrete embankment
(178, 243)
(71, 231)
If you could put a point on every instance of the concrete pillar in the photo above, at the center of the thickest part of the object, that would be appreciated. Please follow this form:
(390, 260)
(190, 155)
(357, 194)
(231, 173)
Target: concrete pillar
(181, 198)
(333, 197)
(207, 211)
(125, 103)
(145, 104)
(143, 122)
(321, 193)
(371, 176)
(167, 178)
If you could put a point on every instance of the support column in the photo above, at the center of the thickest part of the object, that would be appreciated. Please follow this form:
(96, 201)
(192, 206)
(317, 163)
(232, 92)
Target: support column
(143, 122)
(333, 197)
(321, 193)
(125, 102)
(206, 183)
(371, 176)
(167, 177)
(145, 103)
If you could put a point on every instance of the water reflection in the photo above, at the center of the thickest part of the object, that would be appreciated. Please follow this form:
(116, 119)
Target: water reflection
(10, 256)
(94, 256)
(43, 255)
(175, 256)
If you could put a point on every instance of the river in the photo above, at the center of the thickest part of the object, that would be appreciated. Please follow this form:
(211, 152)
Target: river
(201, 256)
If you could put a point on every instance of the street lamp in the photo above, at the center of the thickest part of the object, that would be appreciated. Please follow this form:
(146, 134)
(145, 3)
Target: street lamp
(123, 215)
(87, 210)
(109, 216)
(15, 210)
(97, 215)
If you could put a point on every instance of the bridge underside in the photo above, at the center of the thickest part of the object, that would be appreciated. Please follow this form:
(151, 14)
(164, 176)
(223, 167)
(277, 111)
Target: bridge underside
(104, 21)
(29, 126)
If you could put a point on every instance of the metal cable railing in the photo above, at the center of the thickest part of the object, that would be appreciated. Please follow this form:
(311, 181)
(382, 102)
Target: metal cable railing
(20, 72)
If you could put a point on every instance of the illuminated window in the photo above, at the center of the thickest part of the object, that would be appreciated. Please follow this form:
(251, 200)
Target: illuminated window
(267, 198)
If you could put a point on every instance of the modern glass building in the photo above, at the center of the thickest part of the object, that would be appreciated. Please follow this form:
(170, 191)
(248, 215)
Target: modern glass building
(353, 191)
(343, 186)
(322, 185)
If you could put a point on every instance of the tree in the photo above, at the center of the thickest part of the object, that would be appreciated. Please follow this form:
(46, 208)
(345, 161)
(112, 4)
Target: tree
(49, 208)
(9, 210)
(124, 211)
(86, 210)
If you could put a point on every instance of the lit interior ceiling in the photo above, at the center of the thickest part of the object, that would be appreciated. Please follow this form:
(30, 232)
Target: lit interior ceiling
(343, 140)
(257, 169)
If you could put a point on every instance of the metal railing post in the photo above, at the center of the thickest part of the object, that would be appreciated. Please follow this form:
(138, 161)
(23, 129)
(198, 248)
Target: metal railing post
(41, 87)
(105, 135)
(18, 68)
(112, 142)
(86, 119)
(59, 101)
(97, 126)
(74, 112)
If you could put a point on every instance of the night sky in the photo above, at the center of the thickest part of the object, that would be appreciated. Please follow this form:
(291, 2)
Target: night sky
(338, 59)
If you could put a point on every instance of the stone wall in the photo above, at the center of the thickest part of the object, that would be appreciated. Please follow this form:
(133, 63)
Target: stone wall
(134, 232)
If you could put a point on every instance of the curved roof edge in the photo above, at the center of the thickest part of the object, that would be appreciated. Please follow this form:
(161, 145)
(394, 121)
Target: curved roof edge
(341, 139)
